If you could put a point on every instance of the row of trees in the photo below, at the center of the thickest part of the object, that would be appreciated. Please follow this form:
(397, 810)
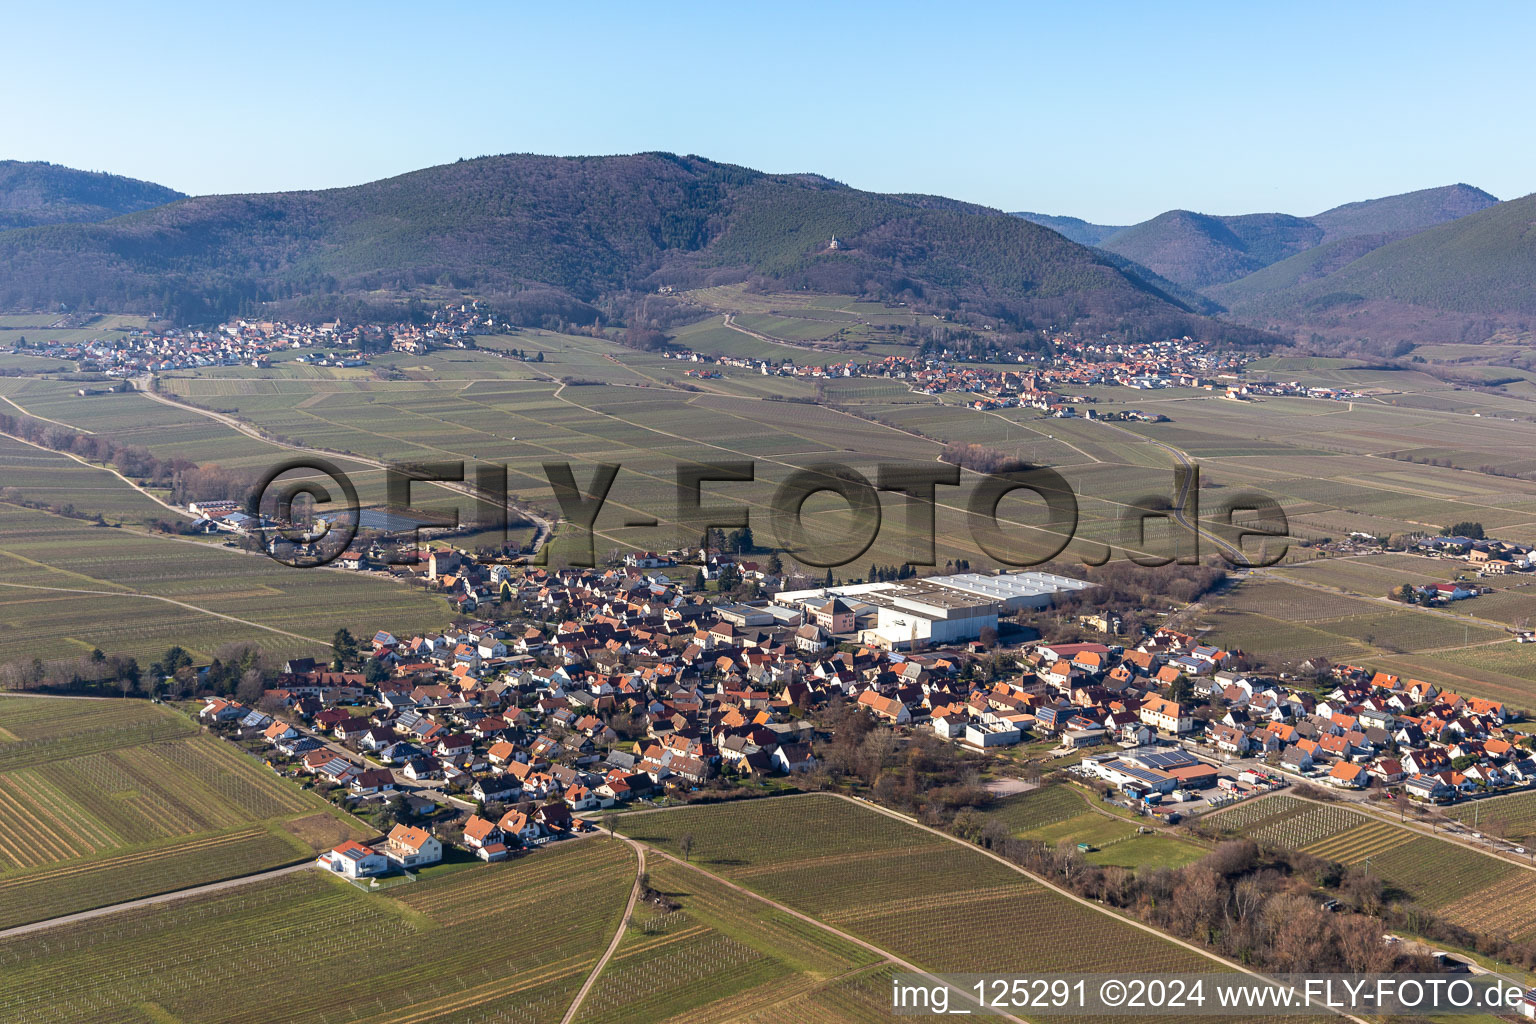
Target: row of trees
(1255, 906)
(981, 459)
(96, 673)
(921, 774)
(186, 480)
(239, 669)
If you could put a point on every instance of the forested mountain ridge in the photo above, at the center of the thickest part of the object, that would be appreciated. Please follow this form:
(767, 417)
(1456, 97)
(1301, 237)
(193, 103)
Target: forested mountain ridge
(1209, 253)
(33, 193)
(1080, 231)
(1479, 269)
(579, 238)
(1200, 250)
(1402, 214)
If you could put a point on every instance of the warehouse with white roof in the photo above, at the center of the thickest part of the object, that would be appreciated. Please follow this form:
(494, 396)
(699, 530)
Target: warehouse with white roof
(936, 609)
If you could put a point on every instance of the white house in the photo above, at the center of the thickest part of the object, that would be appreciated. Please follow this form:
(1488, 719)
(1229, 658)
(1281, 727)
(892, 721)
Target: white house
(354, 860)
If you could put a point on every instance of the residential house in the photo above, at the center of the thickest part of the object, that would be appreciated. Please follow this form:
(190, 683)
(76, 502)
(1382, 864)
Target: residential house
(412, 847)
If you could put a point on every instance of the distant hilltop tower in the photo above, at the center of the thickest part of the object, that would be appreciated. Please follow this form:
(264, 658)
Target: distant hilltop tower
(834, 245)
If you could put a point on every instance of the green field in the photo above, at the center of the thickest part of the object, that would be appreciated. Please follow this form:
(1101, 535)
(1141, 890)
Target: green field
(1064, 814)
(1038, 808)
(1466, 887)
(933, 901)
(103, 801)
(719, 955)
(286, 951)
(71, 586)
(1334, 466)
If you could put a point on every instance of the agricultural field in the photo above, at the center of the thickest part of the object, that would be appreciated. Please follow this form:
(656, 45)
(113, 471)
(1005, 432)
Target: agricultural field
(1374, 574)
(33, 474)
(1283, 621)
(1505, 907)
(1360, 844)
(1466, 887)
(1511, 817)
(852, 867)
(285, 950)
(1283, 820)
(718, 955)
(1501, 671)
(1433, 873)
(1334, 466)
(1064, 814)
(72, 587)
(1330, 831)
(1037, 808)
(103, 801)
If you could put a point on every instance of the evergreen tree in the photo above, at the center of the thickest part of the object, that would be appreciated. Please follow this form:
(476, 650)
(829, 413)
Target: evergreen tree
(344, 644)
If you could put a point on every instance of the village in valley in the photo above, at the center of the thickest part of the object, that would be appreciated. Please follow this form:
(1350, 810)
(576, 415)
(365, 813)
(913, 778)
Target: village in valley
(1055, 384)
(617, 687)
(131, 353)
(629, 553)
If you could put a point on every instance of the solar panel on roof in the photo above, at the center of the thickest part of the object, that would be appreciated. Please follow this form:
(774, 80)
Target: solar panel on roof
(1141, 774)
(1164, 760)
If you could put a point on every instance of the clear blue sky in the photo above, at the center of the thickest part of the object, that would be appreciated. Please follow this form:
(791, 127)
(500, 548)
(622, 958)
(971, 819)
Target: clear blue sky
(1113, 112)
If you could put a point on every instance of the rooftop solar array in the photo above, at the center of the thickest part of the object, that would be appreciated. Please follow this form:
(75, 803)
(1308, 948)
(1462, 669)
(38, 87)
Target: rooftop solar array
(1162, 760)
(1140, 774)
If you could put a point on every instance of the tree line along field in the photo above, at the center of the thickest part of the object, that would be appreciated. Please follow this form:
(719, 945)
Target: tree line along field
(71, 586)
(1464, 886)
(938, 903)
(306, 948)
(104, 801)
(49, 478)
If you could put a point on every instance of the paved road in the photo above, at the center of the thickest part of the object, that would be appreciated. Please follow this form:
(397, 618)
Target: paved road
(430, 789)
(165, 897)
